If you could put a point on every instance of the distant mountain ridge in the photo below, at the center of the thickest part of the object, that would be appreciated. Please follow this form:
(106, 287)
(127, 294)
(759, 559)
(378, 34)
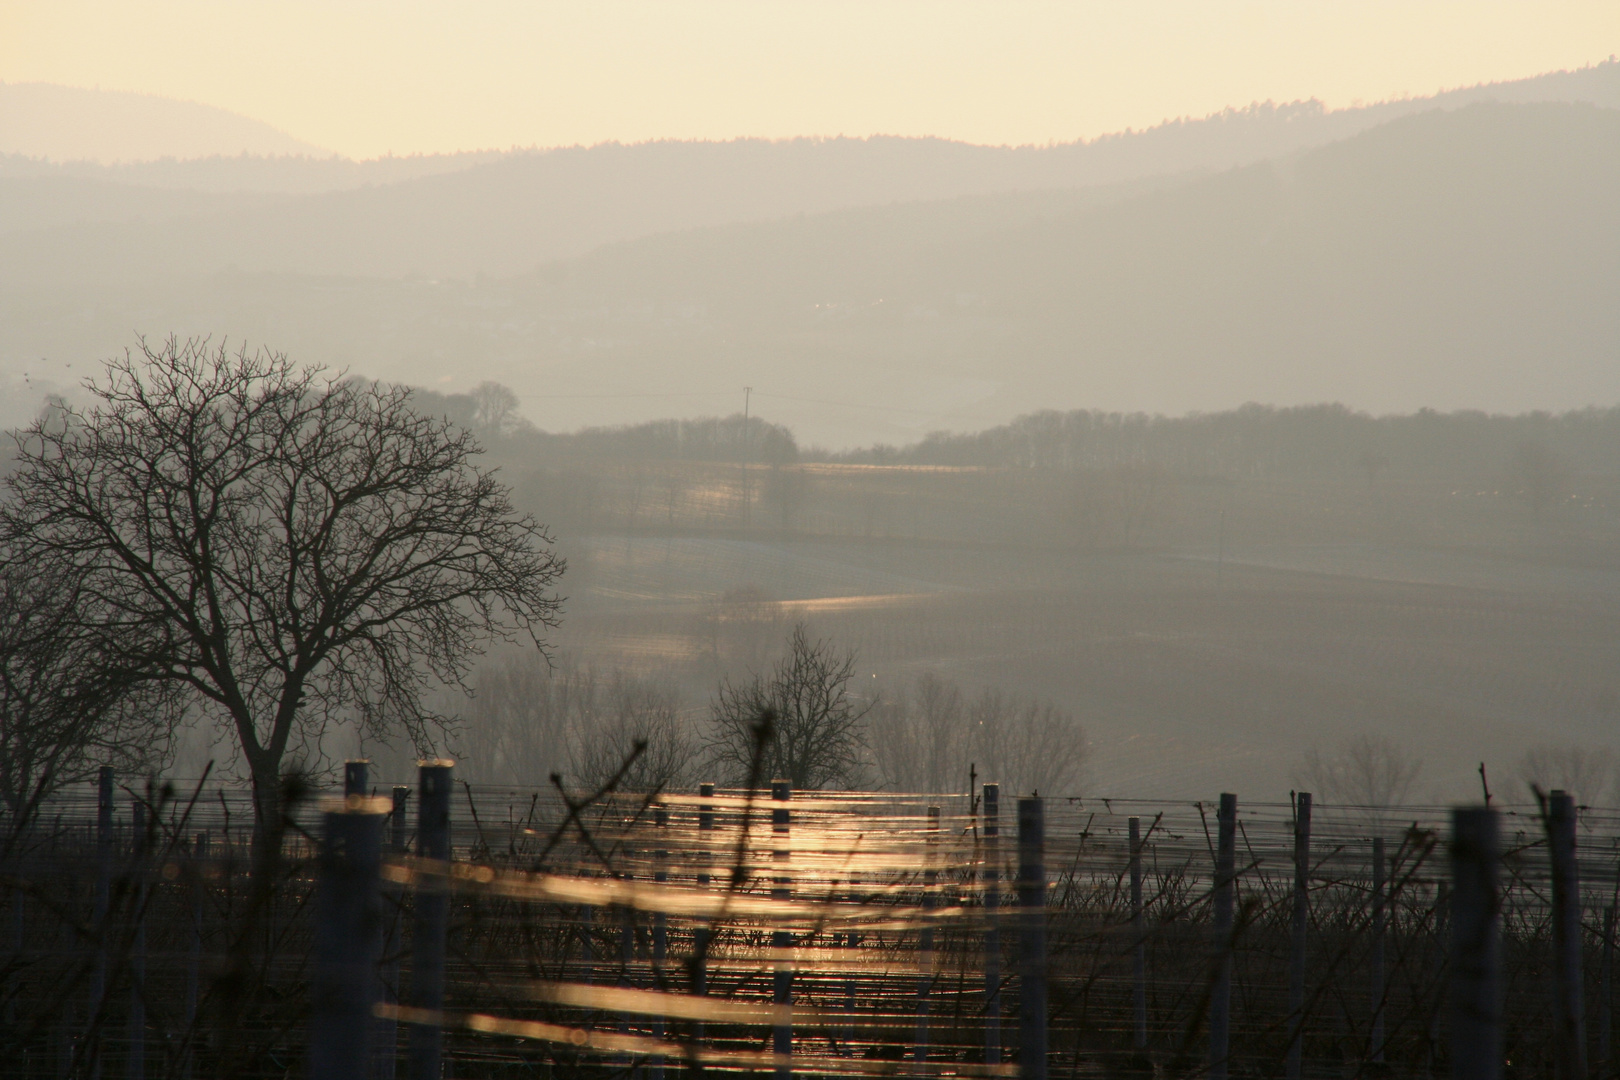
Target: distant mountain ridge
(1449, 259)
(470, 214)
(73, 124)
(1220, 140)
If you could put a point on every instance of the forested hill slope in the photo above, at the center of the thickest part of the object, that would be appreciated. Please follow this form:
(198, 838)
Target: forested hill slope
(462, 215)
(1450, 259)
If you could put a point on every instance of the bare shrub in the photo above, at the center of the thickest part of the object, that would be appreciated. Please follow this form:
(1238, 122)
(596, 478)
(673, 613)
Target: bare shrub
(929, 739)
(1027, 745)
(632, 712)
(1364, 771)
(922, 740)
(528, 720)
(1586, 772)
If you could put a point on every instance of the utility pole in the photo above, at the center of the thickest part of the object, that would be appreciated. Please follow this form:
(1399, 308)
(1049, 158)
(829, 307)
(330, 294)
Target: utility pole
(748, 452)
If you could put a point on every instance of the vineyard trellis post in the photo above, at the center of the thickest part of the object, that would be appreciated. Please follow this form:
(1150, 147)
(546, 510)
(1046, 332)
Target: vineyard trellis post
(1569, 1040)
(1220, 1003)
(19, 899)
(992, 927)
(1139, 940)
(660, 939)
(1605, 1064)
(1476, 951)
(432, 917)
(199, 888)
(399, 823)
(135, 1063)
(100, 915)
(385, 1059)
(1442, 964)
(700, 937)
(1380, 883)
(925, 938)
(781, 940)
(1032, 959)
(1298, 929)
(356, 776)
(348, 940)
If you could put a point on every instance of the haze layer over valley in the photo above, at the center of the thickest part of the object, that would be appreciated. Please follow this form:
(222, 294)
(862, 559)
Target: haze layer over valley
(998, 425)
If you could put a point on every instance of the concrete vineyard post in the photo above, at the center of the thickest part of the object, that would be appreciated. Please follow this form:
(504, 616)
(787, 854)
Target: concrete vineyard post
(101, 910)
(199, 884)
(992, 926)
(135, 1065)
(1380, 885)
(348, 940)
(1032, 939)
(432, 917)
(781, 940)
(660, 940)
(385, 1054)
(1298, 928)
(1605, 1016)
(1138, 940)
(1569, 1009)
(356, 774)
(399, 823)
(1220, 1004)
(1476, 962)
(700, 936)
(925, 938)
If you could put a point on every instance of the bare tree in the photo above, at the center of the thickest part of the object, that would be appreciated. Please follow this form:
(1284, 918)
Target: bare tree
(494, 408)
(631, 713)
(66, 704)
(930, 739)
(289, 546)
(1589, 773)
(922, 740)
(517, 726)
(530, 718)
(1026, 744)
(1541, 474)
(816, 731)
(1365, 771)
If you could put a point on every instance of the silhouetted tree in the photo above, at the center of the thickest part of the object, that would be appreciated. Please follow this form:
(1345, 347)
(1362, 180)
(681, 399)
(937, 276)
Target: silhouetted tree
(495, 408)
(530, 718)
(1027, 745)
(287, 545)
(922, 740)
(1540, 473)
(1365, 771)
(1587, 772)
(816, 738)
(67, 705)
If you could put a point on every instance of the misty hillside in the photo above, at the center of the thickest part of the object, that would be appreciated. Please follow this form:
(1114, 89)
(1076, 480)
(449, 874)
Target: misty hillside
(65, 123)
(1454, 259)
(1451, 259)
(465, 214)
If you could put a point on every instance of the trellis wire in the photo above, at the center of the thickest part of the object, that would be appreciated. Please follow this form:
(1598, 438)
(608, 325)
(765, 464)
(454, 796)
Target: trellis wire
(695, 930)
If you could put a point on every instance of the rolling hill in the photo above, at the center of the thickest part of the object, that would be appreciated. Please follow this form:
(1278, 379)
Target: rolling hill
(1463, 258)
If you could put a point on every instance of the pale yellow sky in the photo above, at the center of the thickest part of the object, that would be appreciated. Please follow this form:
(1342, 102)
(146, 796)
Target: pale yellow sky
(366, 77)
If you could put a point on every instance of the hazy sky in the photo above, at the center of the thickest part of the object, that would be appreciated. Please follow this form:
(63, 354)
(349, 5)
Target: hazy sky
(366, 77)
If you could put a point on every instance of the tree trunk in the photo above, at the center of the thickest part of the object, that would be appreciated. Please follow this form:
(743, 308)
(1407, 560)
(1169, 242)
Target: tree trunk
(267, 809)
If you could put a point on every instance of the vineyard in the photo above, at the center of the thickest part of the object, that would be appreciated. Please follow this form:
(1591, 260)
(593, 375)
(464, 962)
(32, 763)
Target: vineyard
(446, 929)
